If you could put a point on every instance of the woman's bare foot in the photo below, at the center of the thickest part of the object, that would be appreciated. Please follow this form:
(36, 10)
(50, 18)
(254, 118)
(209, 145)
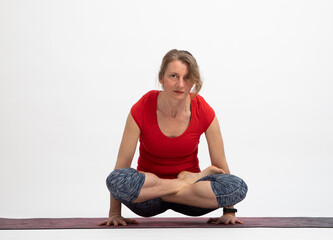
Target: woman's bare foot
(191, 178)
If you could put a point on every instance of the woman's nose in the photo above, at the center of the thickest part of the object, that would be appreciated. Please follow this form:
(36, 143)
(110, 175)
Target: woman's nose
(181, 82)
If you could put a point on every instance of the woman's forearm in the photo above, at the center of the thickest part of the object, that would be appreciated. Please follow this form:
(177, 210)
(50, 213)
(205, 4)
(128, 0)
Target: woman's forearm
(115, 207)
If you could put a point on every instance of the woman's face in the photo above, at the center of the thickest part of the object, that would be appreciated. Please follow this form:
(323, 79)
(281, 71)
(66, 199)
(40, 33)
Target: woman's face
(176, 81)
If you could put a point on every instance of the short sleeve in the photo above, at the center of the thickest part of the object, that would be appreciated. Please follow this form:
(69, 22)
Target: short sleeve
(137, 112)
(206, 113)
(143, 109)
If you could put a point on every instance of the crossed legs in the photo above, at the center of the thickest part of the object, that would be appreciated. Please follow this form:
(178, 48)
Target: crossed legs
(191, 192)
(183, 190)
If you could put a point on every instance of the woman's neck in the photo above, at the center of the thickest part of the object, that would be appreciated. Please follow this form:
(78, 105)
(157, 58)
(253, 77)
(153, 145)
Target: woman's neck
(172, 107)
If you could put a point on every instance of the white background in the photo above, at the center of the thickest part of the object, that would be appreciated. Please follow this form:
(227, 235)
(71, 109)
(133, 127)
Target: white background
(71, 70)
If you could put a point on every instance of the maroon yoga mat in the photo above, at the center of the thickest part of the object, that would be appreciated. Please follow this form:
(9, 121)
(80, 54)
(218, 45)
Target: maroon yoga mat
(189, 222)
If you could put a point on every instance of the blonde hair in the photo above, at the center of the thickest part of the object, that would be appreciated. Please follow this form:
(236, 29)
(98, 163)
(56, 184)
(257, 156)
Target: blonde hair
(185, 57)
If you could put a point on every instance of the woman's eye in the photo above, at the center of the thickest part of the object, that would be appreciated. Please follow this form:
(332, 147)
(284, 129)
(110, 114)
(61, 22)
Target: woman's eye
(173, 75)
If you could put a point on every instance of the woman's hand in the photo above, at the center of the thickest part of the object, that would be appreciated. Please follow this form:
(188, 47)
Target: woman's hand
(225, 219)
(117, 220)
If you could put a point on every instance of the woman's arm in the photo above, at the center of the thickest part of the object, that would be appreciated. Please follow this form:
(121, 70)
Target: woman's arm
(128, 143)
(217, 156)
(125, 156)
(215, 146)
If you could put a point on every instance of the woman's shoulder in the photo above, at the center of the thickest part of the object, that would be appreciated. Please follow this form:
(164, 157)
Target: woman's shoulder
(147, 100)
(151, 94)
(199, 101)
(204, 112)
(148, 97)
(201, 107)
(144, 107)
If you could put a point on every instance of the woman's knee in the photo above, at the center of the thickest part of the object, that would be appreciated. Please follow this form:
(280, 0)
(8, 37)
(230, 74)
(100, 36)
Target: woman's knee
(229, 189)
(125, 184)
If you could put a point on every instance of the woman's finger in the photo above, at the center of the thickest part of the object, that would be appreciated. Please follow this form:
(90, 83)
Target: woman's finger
(239, 221)
(212, 220)
(122, 222)
(217, 221)
(102, 223)
(131, 221)
(118, 221)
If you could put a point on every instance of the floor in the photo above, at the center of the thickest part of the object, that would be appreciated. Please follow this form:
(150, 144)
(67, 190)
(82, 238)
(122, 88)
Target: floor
(172, 233)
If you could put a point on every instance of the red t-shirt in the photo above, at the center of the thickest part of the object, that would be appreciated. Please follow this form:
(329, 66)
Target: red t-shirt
(162, 155)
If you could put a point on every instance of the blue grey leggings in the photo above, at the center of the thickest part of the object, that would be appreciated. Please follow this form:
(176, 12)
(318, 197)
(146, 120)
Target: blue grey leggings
(125, 185)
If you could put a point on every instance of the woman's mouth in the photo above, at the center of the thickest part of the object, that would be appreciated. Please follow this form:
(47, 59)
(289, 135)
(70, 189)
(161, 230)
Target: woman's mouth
(179, 92)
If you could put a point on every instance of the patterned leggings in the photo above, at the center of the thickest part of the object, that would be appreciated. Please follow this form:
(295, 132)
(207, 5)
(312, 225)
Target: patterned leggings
(125, 185)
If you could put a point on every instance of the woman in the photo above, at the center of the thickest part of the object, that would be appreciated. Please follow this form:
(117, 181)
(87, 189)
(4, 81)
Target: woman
(168, 124)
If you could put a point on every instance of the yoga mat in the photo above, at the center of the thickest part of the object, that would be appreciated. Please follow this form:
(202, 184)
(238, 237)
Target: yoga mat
(186, 222)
